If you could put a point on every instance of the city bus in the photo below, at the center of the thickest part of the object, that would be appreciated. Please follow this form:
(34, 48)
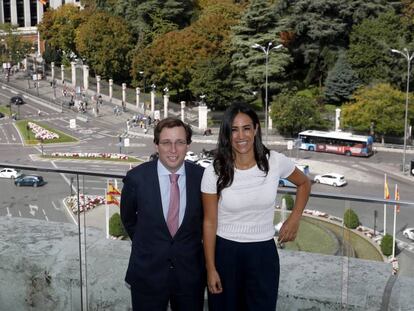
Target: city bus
(336, 142)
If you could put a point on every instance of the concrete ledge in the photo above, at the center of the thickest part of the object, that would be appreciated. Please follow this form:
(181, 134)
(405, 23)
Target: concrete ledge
(39, 270)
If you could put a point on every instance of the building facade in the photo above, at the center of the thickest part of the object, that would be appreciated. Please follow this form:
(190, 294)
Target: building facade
(27, 13)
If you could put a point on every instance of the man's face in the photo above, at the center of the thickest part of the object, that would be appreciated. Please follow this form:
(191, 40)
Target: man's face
(172, 147)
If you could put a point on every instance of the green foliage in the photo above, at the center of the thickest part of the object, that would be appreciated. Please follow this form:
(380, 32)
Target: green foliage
(258, 25)
(293, 113)
(106, 50)
(13, 48)
(381, 104)
(341, 82)
(370, 48)
(386, 244)
(290, 202)
(351, 219)
(116, 228)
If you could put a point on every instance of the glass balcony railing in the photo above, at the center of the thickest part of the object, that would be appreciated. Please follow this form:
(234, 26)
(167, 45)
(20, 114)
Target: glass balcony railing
(62, 248)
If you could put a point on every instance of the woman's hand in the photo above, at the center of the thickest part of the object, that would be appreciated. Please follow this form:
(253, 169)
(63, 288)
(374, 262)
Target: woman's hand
(214, 282)
(289, 230)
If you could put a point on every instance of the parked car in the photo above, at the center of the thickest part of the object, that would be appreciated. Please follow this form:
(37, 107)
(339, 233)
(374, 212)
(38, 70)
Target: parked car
(332, 179)
(204, 162)
(17, 100)
(409, 233)
(9, 173)
(284, 182)
(191, 156)
(153, 156)
(29, 180)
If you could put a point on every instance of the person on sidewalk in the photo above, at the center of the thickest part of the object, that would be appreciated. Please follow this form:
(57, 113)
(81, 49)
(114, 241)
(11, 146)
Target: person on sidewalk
(239, 198)
(162, 212)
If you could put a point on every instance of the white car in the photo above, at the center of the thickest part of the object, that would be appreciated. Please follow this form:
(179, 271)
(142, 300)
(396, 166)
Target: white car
(191, 156)
(9, 173)
(409, 233)
(331, 179)
(204, 162)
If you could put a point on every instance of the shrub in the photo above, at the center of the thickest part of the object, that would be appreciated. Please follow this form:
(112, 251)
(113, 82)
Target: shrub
(386, 245)
(116, 228)
(351, 220)
(289, 201)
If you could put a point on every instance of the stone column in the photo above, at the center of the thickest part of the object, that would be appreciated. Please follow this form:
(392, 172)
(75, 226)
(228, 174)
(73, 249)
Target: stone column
(52, 66)
(269, 120)
(62, 73)
(137, 93)
(182, 110)
(124, 93)
(111, 82)
(73, 68)
(39, 11)
(85, 77)
(152, 101)
(25, 63)
(202, 117)
(98, 85)
(337, 118)
(166, 100)
(26, 6)
(13, 12)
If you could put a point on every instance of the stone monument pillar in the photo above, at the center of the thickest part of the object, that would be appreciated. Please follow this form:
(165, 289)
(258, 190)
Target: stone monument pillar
(73, 68)
(52, 66)
(85, 77)
(98, 85)
(111, 82)
(62, 73)
(166, 99)
(337, 119)
(182, 110)
(137, 93)
(202, 117)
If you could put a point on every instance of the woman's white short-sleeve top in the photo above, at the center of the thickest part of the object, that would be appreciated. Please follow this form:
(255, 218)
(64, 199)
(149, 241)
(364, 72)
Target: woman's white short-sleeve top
(246, 208)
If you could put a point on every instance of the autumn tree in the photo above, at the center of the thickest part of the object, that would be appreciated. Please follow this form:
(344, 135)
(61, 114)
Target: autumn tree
(381, 104)
(58, 28)
(106, 50)
(13, 47)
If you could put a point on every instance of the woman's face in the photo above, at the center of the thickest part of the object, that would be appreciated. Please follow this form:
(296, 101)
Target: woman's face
(242, 134)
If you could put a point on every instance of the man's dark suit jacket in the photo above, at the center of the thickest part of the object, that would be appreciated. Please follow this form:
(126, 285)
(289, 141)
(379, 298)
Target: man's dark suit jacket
(154, 252)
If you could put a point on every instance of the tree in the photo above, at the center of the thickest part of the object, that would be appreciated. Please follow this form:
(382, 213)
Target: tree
(370, 48)
(381, 104)
(257, 25)
(351, 219)
(58, 27)
(290, 202)
(293, 113)
(116, 228)
(386, 244)
(106, 50)
(13, 47)
(341, 82)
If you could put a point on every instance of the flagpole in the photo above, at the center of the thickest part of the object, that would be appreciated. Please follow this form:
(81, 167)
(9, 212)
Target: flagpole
(395, 224)
(106, 210)
(385, 205)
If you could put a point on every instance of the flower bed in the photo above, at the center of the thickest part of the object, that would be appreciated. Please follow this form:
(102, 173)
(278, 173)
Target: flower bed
(90, 155)
(88, 202)
(40, 132)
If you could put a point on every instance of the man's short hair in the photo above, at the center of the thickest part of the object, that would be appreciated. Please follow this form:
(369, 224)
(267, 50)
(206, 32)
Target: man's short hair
(170, 123)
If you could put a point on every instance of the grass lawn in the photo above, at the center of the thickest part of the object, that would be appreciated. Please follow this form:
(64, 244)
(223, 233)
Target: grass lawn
(312, 238)
(363, 248)
(30, 139)
(5, 110)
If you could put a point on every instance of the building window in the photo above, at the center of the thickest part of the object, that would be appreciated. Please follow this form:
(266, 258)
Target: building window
(20, 13)
(6, 10)
(33, 12)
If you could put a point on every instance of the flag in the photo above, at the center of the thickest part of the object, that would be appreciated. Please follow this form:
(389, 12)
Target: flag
(112, 189)
(397, 197)
(111, 200)
(44, 2)
(386, 189)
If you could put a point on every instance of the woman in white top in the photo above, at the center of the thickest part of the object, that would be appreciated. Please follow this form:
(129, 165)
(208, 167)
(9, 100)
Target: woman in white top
(239, 195)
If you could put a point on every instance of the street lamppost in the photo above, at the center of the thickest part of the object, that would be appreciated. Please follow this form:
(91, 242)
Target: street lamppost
(408, 57)
(266, 50)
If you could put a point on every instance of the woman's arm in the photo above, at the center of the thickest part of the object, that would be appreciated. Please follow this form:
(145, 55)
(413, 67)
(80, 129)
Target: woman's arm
(210, 205)
(291, 225)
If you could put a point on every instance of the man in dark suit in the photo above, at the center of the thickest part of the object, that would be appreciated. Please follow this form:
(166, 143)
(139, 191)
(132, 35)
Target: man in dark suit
(166, 263)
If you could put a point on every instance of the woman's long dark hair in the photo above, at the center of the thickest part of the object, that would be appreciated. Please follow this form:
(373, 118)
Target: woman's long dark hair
(224, 161)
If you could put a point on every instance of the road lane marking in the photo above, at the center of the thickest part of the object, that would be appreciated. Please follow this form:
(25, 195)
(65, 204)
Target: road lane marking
(33, 208)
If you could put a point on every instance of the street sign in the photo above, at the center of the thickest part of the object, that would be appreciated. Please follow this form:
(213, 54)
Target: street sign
(72, 123)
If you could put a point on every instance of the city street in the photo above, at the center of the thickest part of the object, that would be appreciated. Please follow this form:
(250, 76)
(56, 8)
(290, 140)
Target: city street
(365, 176)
